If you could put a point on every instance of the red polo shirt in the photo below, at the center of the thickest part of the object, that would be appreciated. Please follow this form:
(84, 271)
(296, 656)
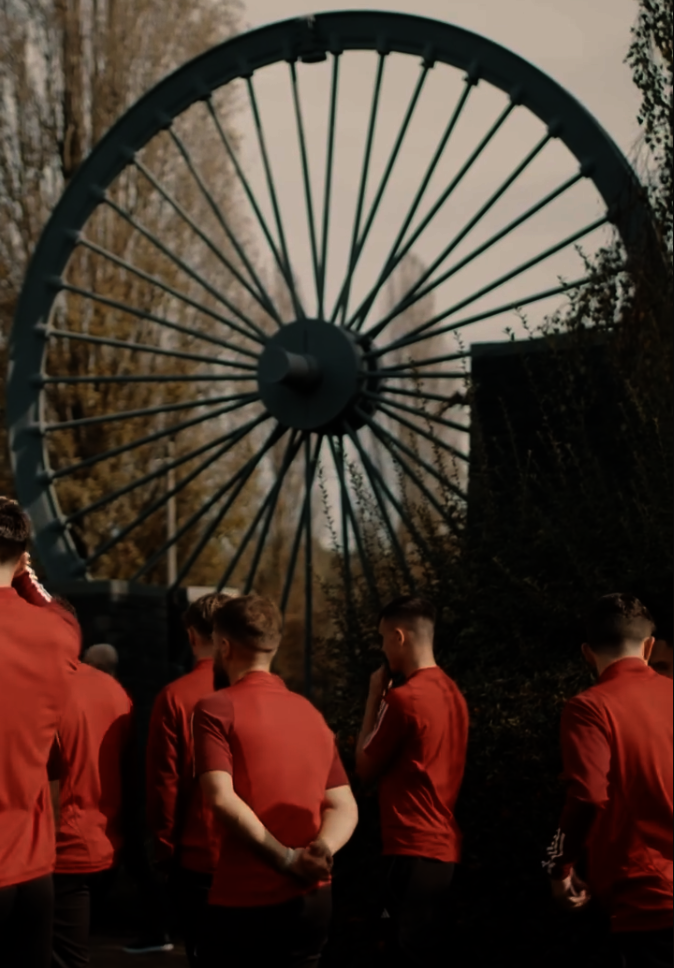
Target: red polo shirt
(419, 749)
(282, 757)
(177, 815)
(88, 757)
(39, 645)
(617, 750)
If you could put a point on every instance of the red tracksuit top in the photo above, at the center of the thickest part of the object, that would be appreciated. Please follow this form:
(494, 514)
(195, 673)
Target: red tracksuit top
(617, 750)
(39, 646)
(182, 824)
(89, 758)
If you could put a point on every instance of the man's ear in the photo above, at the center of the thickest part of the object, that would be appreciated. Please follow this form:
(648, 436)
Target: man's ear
(589, 655)
(647, 648)
(400, 636)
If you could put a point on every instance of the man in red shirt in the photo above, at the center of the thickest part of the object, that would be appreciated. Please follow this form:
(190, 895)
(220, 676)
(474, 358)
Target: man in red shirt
(91, 759)
(271, 772)
(617, 749)
(413, 741)
(39, 646)
(186, 840)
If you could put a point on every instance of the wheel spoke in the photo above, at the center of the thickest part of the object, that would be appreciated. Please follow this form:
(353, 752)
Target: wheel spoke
(265, 510)
(346, 551)
(149, 439)
(259, 294)
(308, 198)
(414, 364)
(251, 332)
(361, 313)
(392, 440)
(360, 244)
(364, 560)
(342, 302)
(227, 442)
(153, 318)
(40, 381)
(140, 347)
(147, 412)
(523, 267)
(386, 439)
(407, 301)
(171, 466)
(379, 485)
(328, 182)
(290, 281)
(308, 574)
(418, 413)
(381, 504)
(292, 563)
(436, 441)
(169, 290)
(283, 268)
(480, 317)
(239, 479)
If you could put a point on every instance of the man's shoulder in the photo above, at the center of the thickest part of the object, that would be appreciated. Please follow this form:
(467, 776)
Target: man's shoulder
(92, 685)
(218, 704)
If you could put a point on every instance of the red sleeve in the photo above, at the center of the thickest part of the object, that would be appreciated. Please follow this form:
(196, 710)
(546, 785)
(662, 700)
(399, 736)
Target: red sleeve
(337, 776)
(586, 753)
(390, 732)
(211, 726)
(162, 774)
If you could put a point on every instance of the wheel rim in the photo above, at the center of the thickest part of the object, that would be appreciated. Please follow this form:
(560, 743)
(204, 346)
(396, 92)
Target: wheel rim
(267, 376)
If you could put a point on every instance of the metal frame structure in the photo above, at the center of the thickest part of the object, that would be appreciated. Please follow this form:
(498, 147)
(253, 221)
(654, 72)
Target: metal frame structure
(321, 377)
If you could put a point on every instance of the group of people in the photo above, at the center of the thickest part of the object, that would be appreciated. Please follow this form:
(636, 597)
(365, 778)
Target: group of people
(248, 802)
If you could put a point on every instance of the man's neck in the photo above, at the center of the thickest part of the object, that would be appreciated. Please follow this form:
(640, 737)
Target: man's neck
(237, 671)
(201, 654)
(419, 659)
(604, 661)
(6, 575)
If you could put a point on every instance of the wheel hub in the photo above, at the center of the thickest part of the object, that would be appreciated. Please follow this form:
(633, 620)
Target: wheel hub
(311, 375)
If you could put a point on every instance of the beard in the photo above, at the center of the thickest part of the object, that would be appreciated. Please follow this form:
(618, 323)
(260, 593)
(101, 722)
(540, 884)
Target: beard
(220, 677)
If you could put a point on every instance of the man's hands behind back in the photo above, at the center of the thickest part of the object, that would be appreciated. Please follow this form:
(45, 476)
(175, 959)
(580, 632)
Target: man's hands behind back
(313, 863)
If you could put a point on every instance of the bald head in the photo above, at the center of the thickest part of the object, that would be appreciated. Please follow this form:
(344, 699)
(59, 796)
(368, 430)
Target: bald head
(103, 657)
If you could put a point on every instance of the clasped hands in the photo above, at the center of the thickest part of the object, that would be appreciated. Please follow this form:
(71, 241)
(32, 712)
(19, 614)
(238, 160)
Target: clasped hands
(311, 864)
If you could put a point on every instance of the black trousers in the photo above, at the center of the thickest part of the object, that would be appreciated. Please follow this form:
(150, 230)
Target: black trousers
(416, 896)
(26, 913)
(189, 894)
(646, 949)
(290, 935)
(73, 895)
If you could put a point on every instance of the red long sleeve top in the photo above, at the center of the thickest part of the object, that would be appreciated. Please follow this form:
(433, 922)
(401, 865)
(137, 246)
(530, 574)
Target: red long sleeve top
(39, 646)
(617, 750)
(182, 824)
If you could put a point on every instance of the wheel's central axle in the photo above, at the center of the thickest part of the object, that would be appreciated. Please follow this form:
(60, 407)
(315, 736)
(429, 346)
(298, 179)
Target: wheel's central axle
(300, 371)
(311, 375)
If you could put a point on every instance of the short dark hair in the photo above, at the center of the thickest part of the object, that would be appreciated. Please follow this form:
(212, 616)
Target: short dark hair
(409, 607)
(616, 620)
(251, 621)
(14, 531)
(199, 613)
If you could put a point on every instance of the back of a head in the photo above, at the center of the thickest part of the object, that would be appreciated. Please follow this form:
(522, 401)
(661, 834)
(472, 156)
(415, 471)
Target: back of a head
(14, 531)
(410, 611)
(199, 614)
(251, 623)
(103, 657)
(617, 625)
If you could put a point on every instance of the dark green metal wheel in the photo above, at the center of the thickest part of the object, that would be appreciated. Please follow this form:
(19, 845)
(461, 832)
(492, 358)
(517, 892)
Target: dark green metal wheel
(279, 336)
